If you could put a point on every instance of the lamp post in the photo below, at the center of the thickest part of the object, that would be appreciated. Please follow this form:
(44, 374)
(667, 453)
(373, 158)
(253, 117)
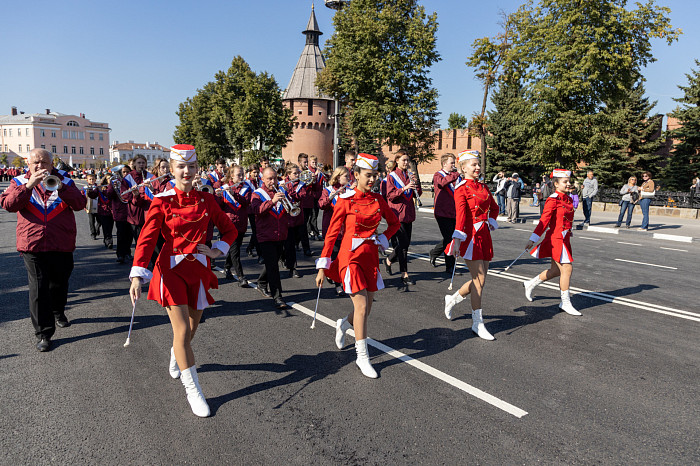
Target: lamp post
(336, 5)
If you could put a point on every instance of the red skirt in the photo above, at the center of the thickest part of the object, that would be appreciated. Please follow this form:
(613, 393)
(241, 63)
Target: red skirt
(187, 284)
(480, 248)
(556, 245)
(359, 272)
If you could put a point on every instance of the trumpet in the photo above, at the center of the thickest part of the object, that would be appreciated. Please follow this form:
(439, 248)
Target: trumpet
(292, 208)
(51, 183)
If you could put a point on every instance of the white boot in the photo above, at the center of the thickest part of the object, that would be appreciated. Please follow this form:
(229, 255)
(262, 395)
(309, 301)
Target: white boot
(478, 326)
(566, 306)
(194, 392)
(362, 360)
(450, 301)
(530, 285)
(173, 368)
(341, 326)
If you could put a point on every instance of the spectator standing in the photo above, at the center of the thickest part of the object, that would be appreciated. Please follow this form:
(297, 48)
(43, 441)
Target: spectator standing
(513, 193)
(696, 186)
(500, 180)
(536, 195)
(546, 190)
(575, 194)
(630, 196)
(589, 191)
(46, 240)
(647, 193)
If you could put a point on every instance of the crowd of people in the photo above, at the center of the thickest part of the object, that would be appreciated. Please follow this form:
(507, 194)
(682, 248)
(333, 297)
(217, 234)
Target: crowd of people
(171, 210)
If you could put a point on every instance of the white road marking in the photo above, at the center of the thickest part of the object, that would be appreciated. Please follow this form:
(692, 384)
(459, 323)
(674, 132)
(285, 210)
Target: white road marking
(651, 265)
(421, 366)
(608, 298)
(630, 244)
(520, 229)
(586, 237)
(674, 249)
(682, 239)
(611, 231)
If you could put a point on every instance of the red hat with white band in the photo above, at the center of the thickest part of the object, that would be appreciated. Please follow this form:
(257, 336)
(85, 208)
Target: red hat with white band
(560, 173)
(467, 155)
(367, 161)
(183, 153)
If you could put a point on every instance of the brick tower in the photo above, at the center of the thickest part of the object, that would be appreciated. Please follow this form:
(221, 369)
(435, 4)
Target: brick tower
(313, 130)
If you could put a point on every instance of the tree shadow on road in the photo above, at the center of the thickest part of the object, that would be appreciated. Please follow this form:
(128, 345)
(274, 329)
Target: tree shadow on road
(298, 368)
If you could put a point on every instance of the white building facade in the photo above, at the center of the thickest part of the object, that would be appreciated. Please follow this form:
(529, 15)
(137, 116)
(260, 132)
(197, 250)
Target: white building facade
(122, 152)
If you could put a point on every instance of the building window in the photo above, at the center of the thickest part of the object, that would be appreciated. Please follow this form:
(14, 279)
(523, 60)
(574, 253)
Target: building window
(72, 149)
(439, 139)
(92, 151)
(28, 149)
(65, 149)
(43, 133)
(20, 148)
(329, 108)
(311, 107)
(291, 105)
(102, 137)
(4, 132)
(454, 139)
(65, 134)
(72, 123)
(43, 146)
(74, 135)
(53, 149)
(10, 132)
(26, 132)
(92, 136)
(82, 151)
(102, 151)
(6, 148)
(53, 134)
(469, 141)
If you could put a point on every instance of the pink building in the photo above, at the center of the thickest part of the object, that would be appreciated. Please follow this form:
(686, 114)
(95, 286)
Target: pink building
(69, 137)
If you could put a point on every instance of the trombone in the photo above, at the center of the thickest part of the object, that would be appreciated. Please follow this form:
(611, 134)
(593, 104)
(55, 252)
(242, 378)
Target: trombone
(292, 208)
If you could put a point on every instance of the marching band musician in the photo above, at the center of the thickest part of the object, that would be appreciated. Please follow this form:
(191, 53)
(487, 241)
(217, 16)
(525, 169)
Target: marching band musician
(181, 279)
(298, 192)
(557, 217)
(359, 212)
(272, 222)
(120, 214)
(444, 182)
(91, 206)
(306, 202)
(45, 239)
(137, 204)
(219, 172)
(320, 180)
(235, 195)
(350, 158)
(253, 183)
(104, 210)
(402, 189)
(337, 185)
(476, 212)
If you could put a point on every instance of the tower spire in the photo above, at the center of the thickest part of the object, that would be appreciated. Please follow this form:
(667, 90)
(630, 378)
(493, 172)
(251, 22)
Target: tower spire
(312, 31)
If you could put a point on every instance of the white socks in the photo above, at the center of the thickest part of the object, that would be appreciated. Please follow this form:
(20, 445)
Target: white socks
(530, 285)
(341, 326)
(478, 326)
(173, 368)
(362, 360)
(566, 305)
(195, 396)
(450, 302)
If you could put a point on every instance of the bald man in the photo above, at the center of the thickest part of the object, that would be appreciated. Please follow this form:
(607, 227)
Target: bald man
(46, 240)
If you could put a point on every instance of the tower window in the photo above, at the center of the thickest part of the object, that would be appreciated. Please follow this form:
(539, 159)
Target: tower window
(311, 107)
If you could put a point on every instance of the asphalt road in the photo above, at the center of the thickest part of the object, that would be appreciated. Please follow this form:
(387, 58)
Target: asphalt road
(618, 385)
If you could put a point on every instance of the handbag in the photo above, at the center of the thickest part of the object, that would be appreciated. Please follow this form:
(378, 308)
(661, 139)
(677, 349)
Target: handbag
(634, 195)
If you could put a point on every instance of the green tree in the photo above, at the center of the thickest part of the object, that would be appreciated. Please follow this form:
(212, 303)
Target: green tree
(18, 162)
(684, 163)
(3, 159)
(457, 121)
(377, 65)
(574, 57)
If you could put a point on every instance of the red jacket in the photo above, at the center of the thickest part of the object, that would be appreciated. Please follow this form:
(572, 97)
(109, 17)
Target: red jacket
(474, 204)
(444, 188)
(271, 221)
(401, 202)
(236, 206)
(45, 219)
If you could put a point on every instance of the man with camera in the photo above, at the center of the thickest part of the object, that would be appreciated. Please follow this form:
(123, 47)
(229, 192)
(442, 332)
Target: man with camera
(44, 199)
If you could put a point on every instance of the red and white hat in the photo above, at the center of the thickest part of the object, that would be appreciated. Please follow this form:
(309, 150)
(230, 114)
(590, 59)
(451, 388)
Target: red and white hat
(467, 155)
(183, 153)
(367, 161)
(560, 173)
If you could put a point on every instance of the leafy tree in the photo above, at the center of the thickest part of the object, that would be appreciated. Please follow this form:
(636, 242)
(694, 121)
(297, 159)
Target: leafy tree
(3, 159)
(377, 64)
(574, 57)
(457, 121)
(18, 162)
(684, 163)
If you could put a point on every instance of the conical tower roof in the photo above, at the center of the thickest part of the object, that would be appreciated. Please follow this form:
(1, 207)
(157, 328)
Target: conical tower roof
(303, 82)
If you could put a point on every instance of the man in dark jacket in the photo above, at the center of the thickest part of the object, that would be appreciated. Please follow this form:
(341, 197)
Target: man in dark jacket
(45, 239)
(513, 189)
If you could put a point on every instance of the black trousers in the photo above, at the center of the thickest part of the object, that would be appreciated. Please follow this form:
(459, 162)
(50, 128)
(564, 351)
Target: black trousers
(303, 237)
(253, 243)
(447, 228)
(124, 238)
(136, 231)
(271, 251)
(233, 258)
(48, 274)
(107, 223)
(94, 223)
(400, 242)
(311, 214)
(294, 235)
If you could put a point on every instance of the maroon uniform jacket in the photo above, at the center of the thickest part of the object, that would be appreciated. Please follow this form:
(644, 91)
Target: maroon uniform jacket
(271, 220)
(444, 187)
(401, 202)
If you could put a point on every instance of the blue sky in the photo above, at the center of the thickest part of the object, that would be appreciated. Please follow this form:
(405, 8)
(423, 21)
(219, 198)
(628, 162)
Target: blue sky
(130, 63)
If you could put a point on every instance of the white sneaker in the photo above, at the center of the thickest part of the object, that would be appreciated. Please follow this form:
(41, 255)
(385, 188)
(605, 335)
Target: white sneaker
(478, 326)
(341, 326)
(362, 360)
(195, 397)
(173, 368)
(566, 306)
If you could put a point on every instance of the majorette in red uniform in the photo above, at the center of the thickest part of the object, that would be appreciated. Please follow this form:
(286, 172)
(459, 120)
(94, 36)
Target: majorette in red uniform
(557, 218)
(181, 278)
(360, 212)
(476, 212)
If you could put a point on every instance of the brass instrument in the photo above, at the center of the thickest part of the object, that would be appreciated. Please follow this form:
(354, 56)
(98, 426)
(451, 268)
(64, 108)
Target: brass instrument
(307, 177)
(292, 208)
(51, 183)
(205, 188)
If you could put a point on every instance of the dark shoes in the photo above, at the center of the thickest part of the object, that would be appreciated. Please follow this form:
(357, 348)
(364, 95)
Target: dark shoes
(229, 275)
(263, 291)
(339, 290)
(280, 304)
(408, 281)
(94, 236)
(44, 345)
(432, 261)
(62, 321)
(294, 273)
(387, 267)
(243, 283)
(308, 253)
(109, 246)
